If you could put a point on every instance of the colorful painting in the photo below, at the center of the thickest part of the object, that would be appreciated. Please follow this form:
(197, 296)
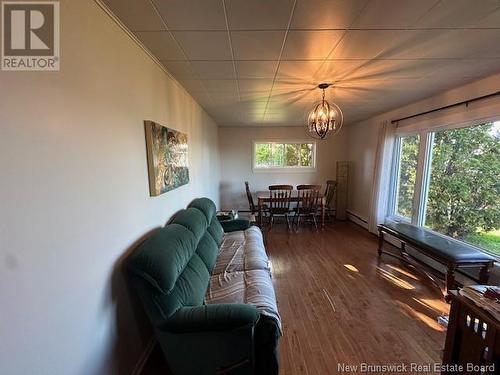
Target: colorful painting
(167, 158)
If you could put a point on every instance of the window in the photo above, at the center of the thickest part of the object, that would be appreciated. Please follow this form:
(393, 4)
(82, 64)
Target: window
(406, 172)
(449, 182)
(273, 155)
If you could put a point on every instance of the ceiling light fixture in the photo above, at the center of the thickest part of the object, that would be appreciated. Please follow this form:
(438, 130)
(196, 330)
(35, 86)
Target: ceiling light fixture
(325, 119)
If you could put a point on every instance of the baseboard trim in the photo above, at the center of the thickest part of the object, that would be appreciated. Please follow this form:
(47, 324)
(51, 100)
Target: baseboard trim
(144, 358)
(351, 216)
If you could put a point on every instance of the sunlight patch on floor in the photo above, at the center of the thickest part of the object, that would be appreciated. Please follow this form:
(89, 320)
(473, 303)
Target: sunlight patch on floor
(427, 320)
(351, 268)
(395, 280)
(403, 272)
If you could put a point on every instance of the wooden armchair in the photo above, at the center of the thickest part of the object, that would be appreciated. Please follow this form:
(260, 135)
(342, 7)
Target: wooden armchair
(308, 204)
(279, 203)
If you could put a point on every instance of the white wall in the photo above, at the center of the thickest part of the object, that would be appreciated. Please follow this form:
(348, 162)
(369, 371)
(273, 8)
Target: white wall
(236, 147)
(362, 136)
(74, 196)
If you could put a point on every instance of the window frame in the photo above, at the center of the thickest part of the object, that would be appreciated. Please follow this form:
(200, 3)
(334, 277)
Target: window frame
(423, 175)
(285, 168)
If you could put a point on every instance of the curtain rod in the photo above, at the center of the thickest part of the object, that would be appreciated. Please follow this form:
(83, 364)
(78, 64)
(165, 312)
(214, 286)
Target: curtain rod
(466, 102)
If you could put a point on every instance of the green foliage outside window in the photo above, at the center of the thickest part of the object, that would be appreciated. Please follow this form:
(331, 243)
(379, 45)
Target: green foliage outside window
(464, 190)
(463, 195)
(407, 175)
(277, 155)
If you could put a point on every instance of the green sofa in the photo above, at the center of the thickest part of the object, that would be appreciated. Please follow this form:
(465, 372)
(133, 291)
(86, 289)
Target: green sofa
(171, 272)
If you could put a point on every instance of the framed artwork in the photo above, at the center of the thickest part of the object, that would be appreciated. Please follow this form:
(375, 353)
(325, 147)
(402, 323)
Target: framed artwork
(167, 152)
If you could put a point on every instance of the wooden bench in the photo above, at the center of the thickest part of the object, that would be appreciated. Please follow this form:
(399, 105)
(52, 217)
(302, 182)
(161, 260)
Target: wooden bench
(452, 254)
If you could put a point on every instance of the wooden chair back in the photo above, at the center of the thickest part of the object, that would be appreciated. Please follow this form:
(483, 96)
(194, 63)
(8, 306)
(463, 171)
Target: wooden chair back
(280, 196)
(309, 198)
(251, 204)
(331, 188)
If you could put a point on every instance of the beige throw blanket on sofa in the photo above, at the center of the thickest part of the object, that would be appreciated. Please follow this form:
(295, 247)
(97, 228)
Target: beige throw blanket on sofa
(242, 273)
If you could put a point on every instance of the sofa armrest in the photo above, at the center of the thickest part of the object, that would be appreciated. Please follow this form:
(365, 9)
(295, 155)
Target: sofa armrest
(234, 225)
(216, 317)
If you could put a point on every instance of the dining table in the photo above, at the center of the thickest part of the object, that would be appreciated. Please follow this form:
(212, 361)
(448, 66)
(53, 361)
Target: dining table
(264, 197)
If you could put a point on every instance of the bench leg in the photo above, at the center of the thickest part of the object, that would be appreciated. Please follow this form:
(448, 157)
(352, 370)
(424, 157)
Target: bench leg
(484, 274)
(450, 280)
(380, 241)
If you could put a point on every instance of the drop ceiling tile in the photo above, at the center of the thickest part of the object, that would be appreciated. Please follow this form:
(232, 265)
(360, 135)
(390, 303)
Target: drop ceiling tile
(161, 44)
(432, 44)
(258, 14)
(255, 85)
(457, 13)
(389, 14)
(366, 44)
(339, 70)
(480, 68)
(214, 69)
(204, 45)
(192, 85)
(310, 45)
(192, 14)
(256, 69)
(396, 69)
(492, 19)
(221, 86)
(179, 69)
(326, 14)
(304, 71)
(136, 15)
(481, 44)
(257, 45)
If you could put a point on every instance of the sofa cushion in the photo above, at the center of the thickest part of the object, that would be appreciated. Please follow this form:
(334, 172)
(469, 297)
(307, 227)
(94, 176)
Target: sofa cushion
(253, 287)
(193, 219)
(206, 206)
(208, 250)
(215, 229)
(161, 259)
(241, 251)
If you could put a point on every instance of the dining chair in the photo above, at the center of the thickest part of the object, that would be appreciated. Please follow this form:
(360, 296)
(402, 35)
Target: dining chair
(308, 204)
(254, 209)
(279, 203)
(331, 189)
(251, 204)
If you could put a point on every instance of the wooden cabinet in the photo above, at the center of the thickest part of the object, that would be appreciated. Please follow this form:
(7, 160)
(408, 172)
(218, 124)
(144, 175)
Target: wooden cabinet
(472, 341)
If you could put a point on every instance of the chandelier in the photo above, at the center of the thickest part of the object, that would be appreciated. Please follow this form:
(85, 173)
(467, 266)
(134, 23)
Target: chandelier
(325, 119)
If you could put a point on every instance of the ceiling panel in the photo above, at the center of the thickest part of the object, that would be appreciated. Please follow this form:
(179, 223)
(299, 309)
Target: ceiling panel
(137, 15)
(366, 44)
(214, 69)
(161, 44)
(379, 54)
(390, 14)
(458, 13)
(303, 71)
(190, 14)
(258, 14)
(256, 69)
(326, 14)
(180, 69)
(255, 85)
(310, 45)
(204, 45)
(257, 45)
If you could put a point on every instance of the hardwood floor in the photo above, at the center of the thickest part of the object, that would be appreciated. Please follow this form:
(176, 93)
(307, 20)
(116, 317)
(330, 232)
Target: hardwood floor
(341, 305)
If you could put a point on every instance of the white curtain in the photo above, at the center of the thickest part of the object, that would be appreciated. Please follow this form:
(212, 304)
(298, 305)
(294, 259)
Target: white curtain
(381, 175)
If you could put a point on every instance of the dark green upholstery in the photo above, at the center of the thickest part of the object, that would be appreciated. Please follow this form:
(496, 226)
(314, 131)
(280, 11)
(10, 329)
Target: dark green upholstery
(170, 272)
(235, 224)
